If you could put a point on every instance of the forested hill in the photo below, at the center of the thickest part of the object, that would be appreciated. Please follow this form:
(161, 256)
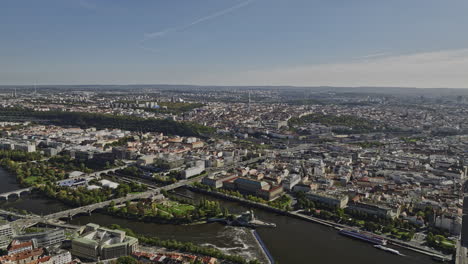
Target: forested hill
(101, 121)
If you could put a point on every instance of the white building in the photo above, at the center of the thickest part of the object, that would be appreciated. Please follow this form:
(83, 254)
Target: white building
(109, 184)
(291, 181)
(62, 257)
(449, 223)
(195, 170)
(28, 147)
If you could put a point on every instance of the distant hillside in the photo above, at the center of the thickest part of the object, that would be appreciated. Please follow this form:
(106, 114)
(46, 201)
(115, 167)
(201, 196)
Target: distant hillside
(101, 121)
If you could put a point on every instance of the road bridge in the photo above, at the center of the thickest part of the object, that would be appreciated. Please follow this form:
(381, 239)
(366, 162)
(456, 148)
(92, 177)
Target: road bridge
(98, 174)
(88, 209)
(16, 193)
(17, 215)
(93, 175)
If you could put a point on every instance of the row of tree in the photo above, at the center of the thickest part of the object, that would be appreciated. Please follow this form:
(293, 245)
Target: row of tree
(282, 203)
(32, 173)
(395, 227)
(181, 212)
(22, 156)
(81, 196)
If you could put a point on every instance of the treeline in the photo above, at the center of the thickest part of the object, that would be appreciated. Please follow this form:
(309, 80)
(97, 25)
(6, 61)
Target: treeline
(22, 156)
(169, 212)
(282, 203)
(67, 163)
(121, 142)
(185, 247)
(440, 242)
(81, 196)
(32, 171)
(102, 121)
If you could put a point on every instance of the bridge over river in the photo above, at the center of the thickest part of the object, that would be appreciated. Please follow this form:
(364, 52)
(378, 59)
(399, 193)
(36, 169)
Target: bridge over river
(93, 175)
(52, 219)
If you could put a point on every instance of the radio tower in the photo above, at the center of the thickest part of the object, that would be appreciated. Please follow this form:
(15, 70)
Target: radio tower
(249, 102)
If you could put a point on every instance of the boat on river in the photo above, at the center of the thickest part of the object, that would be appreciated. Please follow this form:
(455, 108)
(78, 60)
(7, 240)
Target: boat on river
(391, 250)
(365, 236)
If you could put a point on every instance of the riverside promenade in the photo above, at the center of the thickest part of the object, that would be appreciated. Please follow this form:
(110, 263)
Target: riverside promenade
(312, 219)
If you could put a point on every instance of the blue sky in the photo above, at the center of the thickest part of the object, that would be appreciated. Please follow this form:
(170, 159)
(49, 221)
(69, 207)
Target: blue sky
(414, 43)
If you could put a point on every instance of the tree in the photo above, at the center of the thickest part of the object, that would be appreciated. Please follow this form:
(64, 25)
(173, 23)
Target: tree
(126, 260)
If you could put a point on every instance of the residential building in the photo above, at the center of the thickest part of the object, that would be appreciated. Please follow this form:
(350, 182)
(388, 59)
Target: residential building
(195, 170)
(62, 257)
(6, 232)
(44, 239)
(23, 257)
(372, 210)
(17, 246)
(334, 200)
(451, 223)
(216, 181)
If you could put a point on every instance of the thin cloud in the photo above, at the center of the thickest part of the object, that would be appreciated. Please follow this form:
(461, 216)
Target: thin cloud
(217, 14)
(438, 69)
(373, 55)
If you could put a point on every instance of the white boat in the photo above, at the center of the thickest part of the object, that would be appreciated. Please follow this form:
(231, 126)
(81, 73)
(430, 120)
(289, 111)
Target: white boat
(391, 250)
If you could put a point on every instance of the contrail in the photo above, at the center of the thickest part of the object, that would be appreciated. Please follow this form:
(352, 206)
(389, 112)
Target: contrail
(374, 55)
(198, 21)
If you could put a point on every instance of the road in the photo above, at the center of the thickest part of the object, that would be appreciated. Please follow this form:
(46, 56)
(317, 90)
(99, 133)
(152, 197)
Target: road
(53, 218)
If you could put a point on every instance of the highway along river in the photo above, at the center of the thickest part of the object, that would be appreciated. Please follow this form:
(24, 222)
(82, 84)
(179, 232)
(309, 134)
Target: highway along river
(293, 241)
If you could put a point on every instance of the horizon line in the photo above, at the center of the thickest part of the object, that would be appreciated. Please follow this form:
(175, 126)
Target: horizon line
(240, 86)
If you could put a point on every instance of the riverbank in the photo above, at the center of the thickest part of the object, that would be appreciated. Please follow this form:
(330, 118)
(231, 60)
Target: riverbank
(188, 247)
(312, 219)
(293, 241)
(150, 220)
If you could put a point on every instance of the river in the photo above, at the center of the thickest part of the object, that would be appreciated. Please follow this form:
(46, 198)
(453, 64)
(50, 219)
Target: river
(293, 241)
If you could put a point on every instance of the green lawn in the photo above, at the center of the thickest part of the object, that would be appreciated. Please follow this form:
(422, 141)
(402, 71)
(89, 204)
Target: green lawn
(175, 207)
(448, 243)
(31, 180)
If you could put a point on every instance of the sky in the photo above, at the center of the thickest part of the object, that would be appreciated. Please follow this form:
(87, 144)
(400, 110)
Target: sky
(398, 43)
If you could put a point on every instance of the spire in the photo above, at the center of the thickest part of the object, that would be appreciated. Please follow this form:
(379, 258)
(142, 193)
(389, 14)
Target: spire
(249, 102)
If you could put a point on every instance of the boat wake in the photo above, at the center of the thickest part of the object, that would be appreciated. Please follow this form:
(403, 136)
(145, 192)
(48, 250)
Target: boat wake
(390, 250)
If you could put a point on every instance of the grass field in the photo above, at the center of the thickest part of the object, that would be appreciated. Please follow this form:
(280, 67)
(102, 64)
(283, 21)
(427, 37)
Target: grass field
(175, 207)
(31, 180)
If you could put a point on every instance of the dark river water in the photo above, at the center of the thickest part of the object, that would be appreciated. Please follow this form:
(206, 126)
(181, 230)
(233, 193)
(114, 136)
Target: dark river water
(293, 241)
